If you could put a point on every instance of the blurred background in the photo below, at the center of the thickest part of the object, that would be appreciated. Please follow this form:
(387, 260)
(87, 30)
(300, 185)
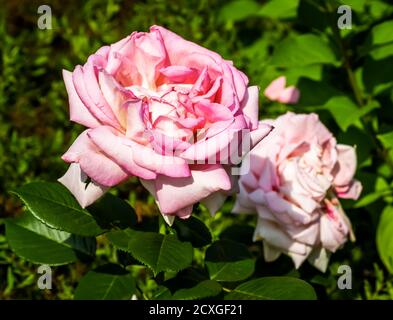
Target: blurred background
(35, 129)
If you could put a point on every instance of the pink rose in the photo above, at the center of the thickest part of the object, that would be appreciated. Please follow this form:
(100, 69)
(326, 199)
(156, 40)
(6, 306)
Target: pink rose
(276, 91)
(163, 109)
(295, 177)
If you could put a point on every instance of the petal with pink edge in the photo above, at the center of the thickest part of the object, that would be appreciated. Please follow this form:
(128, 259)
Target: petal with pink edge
(113, 96)
(220, 144)
(81, 85)
(113, 146)
(78, 111)
(333, 233)
(93, 162)
(174, 194)
(180, 74)
(351, 191)
(251, 107)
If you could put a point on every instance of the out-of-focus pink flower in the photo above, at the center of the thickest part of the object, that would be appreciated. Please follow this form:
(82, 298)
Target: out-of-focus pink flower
(163, 109)
(296, 175)
(276, 91)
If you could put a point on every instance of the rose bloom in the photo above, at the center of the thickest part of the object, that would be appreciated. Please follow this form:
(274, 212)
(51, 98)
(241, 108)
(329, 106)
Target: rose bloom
(277, 91)
(296, 175)
(158, 107)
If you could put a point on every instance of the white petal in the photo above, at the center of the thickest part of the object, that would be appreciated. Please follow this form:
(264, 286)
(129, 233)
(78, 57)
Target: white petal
(298, 259)
(270, 253)
(319, 258)
(169, 219)
(75, 181)
(214, 202)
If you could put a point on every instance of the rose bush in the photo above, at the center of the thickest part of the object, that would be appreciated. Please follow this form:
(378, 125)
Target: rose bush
(162, 109)
(344, 76)
(297, 173)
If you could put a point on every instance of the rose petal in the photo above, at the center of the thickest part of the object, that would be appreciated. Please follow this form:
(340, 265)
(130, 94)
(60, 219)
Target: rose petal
(78, 111)
(220, 144)
(75, 181)
(289, 95)
(270, 253)
(174, 194)
(81, 84)
(346, 165)
(212, 112)
(214, 202)
(113, 96)
(274, 89)
(280, 206)
(351, 191)
(112, 145)
(251, 106)
(333, 232)
(93, 162)
(180, 74)
(319, 258)
(271, 233)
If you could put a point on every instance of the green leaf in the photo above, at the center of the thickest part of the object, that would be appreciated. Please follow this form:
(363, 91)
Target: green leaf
(204, 289)
(371, 197)
(382, 33)
(162, 293)
(120, 238)
(356, 5)
(379, 9)
(379, 188)
(342, 109)
(239, 233)
(377, 75)
(112, 212)
(159, 252)
(34, 241)
(386, 139)
(229, 261)
(108, 282)
(312, 14)
(312, 71)
(238, 10)
(315, 94)
(385, 239)
(303, 50)
(273, 288)
(54, 205)
(346, 112)
(382, 52)
(361, 140)
(279, 9)
(194, 231)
